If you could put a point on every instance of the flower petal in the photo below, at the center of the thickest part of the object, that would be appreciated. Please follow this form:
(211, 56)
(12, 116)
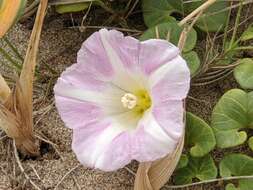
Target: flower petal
(112, 57)
(95, 145)
(154, 53)
(150, 141)
(76, 114)
(170, 81)
(170, 116)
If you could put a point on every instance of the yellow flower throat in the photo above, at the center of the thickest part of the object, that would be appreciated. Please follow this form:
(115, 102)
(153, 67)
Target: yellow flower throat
(138, 102)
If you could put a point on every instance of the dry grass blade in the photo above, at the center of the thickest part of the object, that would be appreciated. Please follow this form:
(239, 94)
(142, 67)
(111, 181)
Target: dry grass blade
(16, 117)
(4, 90)
(153, 175)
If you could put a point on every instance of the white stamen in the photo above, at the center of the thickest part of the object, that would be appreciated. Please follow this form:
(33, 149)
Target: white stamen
(129, 100)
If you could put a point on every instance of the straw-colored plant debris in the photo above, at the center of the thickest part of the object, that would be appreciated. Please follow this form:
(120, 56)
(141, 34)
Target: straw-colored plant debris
(16, 108)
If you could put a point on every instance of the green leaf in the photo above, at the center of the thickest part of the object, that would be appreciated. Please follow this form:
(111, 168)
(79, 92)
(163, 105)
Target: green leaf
(199, 136)
(173, 31)
(237, 165)
(213, 18)
(156, 12)
(70, 8)
(183, 161)
(244, 184)
(243, 73)
(233, 112)
(247, 34)
(250, 143)
(201, 168)
(192, 60)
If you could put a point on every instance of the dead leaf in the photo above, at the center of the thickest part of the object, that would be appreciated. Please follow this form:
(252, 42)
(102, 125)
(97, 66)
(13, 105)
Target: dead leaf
(5, 91)
(16, 114)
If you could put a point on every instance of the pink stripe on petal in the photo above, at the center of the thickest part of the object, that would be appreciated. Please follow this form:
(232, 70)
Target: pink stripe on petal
(117, 154)
(76, 114)
(171, 81)
(76, 77)
(93, 58)
(150, 142)
(93, 146)
(169, 115)
(126, 47)
(154, 53)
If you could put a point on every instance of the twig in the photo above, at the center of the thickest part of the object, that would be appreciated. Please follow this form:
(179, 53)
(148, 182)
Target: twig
(132, 8)
(3, 137)
(69, 172)
(21, 167)
(52, 144)
(35, 171)
(196, 11)
(209, 181)
(130, 171)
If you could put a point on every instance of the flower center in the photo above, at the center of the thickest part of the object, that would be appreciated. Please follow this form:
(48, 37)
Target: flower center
(129, 100)
(139, 102)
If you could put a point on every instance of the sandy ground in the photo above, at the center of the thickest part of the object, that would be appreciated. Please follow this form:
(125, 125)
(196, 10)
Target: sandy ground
(58, 49)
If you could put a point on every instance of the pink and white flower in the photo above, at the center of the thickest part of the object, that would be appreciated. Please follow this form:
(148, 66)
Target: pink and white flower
(123, 99)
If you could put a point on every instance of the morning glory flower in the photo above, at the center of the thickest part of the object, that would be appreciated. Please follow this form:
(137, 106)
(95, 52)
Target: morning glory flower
(123, 99)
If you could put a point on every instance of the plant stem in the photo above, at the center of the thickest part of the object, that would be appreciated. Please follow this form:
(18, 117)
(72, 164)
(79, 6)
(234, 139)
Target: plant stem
(209, 181)
(226, 29)
(236, 26)
(14, 49)
(244, 48)
(196, 11)
(9, 58)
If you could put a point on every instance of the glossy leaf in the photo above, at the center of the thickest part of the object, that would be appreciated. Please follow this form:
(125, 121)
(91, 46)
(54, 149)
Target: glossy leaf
(192, 60)
(237, 165)
(244, 73)
(71, 8)
(250, 143)
(199, 136)
(171, 31)
(183, 162)
(247, 34)
(243, 184)
(213, 19)
(9, 13)
(201, 168)
(156, 12)
(233, 112)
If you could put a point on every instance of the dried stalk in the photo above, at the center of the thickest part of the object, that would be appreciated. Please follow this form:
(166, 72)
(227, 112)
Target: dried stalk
(16, 117)
(201, 8)
(4, 90)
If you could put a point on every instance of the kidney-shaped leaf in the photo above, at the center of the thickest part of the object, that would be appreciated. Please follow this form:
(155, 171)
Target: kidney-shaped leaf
(247, 34)
(9, 13)
(156, 12)
(201, 168)
(233, 112)
(237, 165)
(199, 136)
(192, 60)
(171, 31)
(243, 184)
(244, 73)
(250, 143)
(213, 19)
(183, 162)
